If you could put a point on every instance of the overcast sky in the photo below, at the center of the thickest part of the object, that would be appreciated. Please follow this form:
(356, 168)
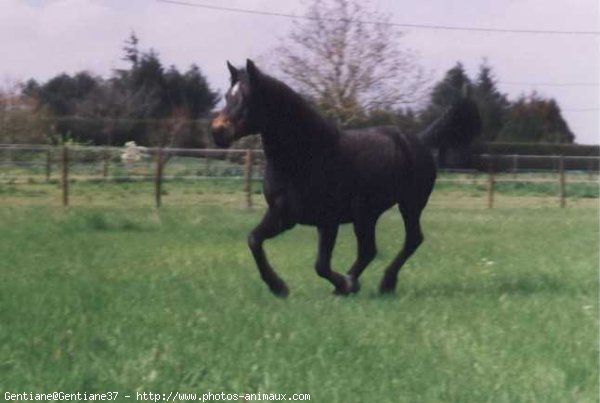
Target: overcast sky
(41, 38)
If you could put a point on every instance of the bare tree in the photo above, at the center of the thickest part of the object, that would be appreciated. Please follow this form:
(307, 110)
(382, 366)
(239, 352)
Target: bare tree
(118, 106)
(21, 121)
(349, 60)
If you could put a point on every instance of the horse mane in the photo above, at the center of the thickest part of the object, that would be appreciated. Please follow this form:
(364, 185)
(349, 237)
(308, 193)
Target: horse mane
(291, 118)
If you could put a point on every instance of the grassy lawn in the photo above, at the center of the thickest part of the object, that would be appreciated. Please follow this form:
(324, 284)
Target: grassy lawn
(498, 305)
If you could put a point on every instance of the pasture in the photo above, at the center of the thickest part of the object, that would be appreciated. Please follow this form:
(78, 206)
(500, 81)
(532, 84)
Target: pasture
(497, 305)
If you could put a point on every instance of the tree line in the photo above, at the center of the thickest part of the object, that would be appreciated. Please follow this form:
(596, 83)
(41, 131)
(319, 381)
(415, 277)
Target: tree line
(530, 119)
(349, 60)
(145, 102)
(357, 74)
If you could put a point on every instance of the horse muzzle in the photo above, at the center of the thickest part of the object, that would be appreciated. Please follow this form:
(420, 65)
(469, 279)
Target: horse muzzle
(222, 130)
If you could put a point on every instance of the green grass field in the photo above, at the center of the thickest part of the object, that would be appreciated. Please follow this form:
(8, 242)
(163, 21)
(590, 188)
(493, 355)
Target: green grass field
(497, 306)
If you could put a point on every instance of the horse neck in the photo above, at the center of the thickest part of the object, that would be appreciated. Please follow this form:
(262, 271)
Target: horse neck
(294, 134)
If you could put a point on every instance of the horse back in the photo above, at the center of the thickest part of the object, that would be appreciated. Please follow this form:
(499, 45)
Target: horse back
(368, 170)
(385, 154)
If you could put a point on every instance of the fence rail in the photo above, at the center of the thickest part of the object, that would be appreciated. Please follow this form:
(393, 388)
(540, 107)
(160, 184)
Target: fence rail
(26, 163)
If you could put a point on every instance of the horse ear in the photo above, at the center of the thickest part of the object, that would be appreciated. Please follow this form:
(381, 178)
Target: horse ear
(233, 72)
(253, 71)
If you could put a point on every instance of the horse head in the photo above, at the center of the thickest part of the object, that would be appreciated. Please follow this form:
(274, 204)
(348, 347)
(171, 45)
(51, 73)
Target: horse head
(238, 118)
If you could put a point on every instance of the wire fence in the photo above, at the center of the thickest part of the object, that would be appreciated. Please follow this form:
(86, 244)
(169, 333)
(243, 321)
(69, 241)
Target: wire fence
(73, 170)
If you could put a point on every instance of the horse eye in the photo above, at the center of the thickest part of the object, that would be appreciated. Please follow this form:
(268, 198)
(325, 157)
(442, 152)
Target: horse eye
(237, 100)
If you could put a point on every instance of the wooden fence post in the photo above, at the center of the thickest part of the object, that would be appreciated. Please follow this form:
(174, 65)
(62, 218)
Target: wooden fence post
(491, 183)
(106, 161)
(48, 164)
(562, 181)
(65, 175)
(207, 164)
(158, 173)
(248, 178)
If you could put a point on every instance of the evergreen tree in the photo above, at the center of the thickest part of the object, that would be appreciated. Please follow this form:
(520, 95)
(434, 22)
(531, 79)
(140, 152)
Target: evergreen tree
(534, 119)
(493, 105)
(189, 93)
(453, 91)
(131, 49)
(129, 105)
(62, 93)
(175, 88)
(451, 88)
(445, 93)
(199, 97)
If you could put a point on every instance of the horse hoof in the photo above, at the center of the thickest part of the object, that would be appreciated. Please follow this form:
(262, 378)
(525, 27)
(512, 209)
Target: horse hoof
(355, 286)
(350, 286)
(280, 290)
(388, 284)
(281, 293)
(385, 288)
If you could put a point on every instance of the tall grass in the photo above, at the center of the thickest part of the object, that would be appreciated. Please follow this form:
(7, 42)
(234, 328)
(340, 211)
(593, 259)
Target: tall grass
(496, 306)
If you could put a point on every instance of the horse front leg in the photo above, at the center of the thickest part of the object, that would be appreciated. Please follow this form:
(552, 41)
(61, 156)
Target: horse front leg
(327, 236)
(271, 225)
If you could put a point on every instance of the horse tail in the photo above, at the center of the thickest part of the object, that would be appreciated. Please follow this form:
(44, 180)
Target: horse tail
(457, 126)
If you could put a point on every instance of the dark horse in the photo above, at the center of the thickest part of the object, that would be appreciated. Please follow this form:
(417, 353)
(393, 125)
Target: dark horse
(319, 175)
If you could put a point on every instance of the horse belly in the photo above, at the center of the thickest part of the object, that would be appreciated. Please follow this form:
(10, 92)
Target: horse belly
(322, 206)
(344, 208)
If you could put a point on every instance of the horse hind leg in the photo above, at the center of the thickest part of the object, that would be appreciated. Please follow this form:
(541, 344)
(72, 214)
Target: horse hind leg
(367, 249)
(413, 238)
(327, 236)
